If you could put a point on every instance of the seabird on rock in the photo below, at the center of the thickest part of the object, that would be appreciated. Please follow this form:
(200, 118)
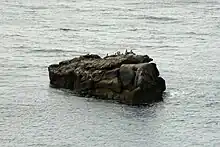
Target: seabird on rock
(126, 52)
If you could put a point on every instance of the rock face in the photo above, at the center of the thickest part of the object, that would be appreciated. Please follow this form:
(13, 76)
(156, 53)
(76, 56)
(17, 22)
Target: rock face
(127, 78)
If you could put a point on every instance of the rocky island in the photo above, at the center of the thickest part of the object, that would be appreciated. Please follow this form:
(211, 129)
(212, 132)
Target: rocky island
(126, 78)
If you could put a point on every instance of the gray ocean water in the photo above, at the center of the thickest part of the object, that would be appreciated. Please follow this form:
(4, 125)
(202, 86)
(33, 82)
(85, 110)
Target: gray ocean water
(182, 36)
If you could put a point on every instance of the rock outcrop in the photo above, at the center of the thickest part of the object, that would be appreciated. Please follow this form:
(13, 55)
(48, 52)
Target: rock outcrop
(127, 78)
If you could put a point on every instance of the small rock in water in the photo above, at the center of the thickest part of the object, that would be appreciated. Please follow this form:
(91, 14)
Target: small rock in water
(127, 78)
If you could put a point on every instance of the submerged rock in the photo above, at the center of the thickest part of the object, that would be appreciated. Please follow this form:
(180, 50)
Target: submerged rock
(127, 78)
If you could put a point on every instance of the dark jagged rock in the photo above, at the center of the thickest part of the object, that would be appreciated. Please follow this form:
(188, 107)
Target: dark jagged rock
(127, 78)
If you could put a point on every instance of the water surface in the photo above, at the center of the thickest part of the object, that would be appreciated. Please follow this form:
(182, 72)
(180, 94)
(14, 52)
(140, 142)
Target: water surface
(182, 36)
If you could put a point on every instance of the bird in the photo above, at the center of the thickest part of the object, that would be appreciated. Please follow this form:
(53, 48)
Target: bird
(118, 53)
(126, 52)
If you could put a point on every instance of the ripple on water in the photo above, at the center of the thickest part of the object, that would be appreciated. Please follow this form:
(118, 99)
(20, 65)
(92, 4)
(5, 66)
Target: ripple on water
(49, 51)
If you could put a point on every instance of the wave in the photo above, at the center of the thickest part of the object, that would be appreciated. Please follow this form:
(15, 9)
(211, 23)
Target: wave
(196, 33)
(157, 18)
(13, 35)
(67, 29)
(51, 50)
